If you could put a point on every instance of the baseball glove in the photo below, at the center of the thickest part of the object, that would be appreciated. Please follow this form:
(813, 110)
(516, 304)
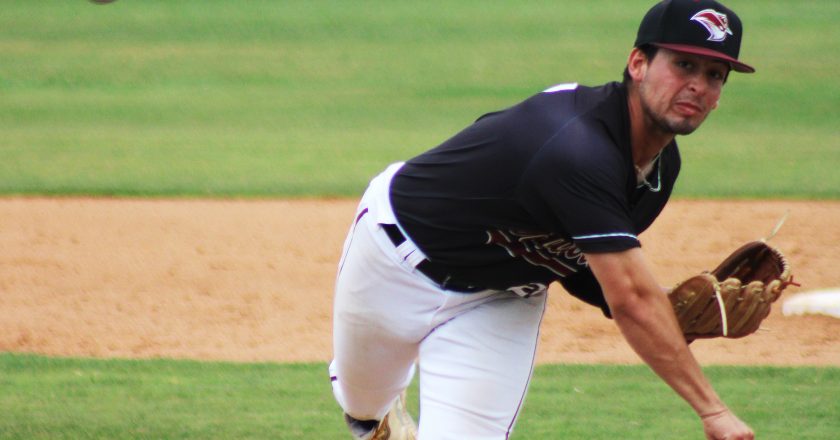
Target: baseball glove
(733, 299)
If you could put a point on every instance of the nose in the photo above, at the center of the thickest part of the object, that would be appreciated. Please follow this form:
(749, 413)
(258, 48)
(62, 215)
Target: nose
(697, 84)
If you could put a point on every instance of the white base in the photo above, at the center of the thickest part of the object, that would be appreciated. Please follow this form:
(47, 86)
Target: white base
(816, 302)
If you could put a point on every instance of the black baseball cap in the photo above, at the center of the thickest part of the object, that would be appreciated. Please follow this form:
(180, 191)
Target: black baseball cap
(700, 27)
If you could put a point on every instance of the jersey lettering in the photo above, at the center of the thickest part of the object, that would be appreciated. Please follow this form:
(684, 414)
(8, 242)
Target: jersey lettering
(528, 290)
(558, 254)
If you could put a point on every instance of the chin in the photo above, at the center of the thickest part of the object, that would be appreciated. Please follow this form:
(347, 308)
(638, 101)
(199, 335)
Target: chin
(685, 129)
(684, 126)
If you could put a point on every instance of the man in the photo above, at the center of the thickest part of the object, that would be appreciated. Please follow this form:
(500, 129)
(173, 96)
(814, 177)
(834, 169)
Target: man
(450, 255)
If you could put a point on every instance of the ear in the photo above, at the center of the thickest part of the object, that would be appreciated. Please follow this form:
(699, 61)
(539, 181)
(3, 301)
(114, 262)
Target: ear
(637, 64)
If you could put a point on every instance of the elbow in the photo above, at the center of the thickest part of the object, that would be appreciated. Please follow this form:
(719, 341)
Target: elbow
(627, 284)
(629, 301)
(626, 309)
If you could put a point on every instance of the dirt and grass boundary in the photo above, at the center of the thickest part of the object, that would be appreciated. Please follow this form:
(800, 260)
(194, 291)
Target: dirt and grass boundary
(251, 280)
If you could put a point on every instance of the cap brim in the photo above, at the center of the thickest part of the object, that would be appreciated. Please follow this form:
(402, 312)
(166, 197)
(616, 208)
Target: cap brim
(736, 65)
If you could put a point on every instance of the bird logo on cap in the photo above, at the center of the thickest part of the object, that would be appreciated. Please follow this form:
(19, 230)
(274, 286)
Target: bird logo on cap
(715, 22)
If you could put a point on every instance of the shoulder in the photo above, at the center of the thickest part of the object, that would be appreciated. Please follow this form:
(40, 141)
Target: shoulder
(576, 99)
(552, 109)
(581, 160)
(578, 111)
(583, 145)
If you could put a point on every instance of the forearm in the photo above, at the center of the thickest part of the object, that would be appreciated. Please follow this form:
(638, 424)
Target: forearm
(649, 326)
(646, 319)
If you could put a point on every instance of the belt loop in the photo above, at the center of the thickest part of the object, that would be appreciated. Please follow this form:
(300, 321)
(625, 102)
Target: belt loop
(408, 253)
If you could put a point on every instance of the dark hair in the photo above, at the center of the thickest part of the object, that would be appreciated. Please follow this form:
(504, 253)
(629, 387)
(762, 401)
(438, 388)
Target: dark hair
(650, 51)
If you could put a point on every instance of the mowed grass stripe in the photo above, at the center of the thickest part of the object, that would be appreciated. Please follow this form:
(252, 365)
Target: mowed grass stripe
(311, 98)
(53, 398)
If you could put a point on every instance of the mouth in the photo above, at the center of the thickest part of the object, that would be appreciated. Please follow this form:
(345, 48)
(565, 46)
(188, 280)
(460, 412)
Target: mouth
(688, 108)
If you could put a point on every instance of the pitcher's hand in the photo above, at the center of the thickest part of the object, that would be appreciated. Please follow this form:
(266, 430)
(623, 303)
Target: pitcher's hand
(724, 425)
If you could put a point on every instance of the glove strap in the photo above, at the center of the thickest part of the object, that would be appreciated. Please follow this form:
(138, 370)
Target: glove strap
(722, 306)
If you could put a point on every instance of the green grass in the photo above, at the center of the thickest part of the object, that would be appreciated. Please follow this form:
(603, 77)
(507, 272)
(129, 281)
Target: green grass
(59, 398)
(312, 97)
(46, 398)
(629, 402)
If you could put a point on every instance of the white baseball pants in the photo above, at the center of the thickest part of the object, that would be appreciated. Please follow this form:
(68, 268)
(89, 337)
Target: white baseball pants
(475, 352)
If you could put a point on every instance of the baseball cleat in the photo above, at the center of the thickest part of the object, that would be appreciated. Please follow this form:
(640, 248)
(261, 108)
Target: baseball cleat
(396, 425)
(361, 429)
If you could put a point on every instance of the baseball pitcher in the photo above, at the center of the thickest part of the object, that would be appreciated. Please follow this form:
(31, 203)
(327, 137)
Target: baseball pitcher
(447, 262)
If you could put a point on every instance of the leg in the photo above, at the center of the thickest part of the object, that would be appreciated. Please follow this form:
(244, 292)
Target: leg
(380, 316)
(475, 369)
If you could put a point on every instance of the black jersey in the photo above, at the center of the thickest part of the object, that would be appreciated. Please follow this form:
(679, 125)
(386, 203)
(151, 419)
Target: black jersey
(517, 197)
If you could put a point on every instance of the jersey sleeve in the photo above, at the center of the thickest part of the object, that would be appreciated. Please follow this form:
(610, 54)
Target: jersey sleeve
(577, 185)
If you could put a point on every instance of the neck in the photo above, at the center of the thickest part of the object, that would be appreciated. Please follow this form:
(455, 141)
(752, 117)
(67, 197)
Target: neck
(646, 139)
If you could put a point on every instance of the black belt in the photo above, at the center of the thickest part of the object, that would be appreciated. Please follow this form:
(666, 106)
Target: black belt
(436, 272)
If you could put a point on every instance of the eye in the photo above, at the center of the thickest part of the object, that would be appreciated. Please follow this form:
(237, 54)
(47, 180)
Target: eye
(717, 74)
(684, 64)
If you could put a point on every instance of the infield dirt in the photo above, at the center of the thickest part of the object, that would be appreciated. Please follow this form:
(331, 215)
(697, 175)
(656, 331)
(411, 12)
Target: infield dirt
(252, 280)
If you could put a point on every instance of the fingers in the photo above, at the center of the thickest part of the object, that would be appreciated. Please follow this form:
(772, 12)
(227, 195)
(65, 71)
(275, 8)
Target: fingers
(750, 310)
(773, 290)
(697, 305)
